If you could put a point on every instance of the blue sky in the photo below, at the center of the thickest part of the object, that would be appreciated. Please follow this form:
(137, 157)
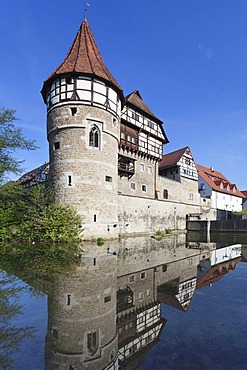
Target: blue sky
(187, 58)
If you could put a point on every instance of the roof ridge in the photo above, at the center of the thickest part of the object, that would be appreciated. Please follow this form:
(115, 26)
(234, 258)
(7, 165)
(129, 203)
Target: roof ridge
(87, 49)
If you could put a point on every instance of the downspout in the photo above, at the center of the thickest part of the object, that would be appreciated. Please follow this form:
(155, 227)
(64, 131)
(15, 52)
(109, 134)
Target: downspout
(155, 180)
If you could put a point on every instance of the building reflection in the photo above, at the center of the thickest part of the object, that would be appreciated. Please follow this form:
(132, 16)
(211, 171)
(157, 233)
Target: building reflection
(82, 330)
(107, 315)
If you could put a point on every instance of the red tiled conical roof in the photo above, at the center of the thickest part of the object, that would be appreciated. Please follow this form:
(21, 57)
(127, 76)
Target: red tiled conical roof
(84, 57)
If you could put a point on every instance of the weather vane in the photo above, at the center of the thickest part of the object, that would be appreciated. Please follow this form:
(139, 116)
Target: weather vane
(85, 10)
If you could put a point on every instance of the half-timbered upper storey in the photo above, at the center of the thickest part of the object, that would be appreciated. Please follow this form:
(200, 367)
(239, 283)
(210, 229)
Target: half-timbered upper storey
(141, 130)
(178, 164)
(83, 78)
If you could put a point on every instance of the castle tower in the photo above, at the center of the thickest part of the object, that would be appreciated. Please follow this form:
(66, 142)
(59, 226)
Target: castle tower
(84, 104)
(82, 332)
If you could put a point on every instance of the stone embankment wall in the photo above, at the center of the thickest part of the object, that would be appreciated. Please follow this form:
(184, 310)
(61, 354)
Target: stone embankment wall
(221, 225)
(138, 215)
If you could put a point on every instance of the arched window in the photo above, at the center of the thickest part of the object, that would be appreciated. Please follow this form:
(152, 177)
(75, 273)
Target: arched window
(92, 342)
(94, 137)
(165, 194)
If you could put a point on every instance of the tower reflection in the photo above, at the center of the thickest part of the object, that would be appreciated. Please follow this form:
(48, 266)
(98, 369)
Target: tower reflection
(108, 314)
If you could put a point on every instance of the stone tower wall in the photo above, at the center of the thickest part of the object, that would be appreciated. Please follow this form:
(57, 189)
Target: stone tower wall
(83, 302)
(82, 175)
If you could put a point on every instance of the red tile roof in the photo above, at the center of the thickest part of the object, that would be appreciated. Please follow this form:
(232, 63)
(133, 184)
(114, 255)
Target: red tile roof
(217, 181)
(217, 272)
(31, 176)
(171, 159)
(135, 99)
(84, 57)
(244, 192)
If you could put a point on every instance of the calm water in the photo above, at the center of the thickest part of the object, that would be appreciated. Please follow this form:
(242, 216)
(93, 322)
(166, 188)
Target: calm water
(178, 303)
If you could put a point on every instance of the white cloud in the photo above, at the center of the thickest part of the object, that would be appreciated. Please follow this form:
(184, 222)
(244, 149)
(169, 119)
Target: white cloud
(207, 52)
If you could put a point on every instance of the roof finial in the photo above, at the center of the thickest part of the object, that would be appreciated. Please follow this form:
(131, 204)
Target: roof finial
(85, 10)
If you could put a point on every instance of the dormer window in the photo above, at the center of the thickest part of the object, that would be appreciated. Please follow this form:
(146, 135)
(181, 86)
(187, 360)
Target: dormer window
(94, 137)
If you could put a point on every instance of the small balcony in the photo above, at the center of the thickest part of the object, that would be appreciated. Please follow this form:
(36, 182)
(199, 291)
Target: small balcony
(126, 166)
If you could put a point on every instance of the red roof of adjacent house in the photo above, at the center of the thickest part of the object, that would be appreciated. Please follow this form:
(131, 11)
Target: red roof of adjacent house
(84, 57)
(218, 182)
(217, 272)
(244, 192)
(28, 177)
(171, 159)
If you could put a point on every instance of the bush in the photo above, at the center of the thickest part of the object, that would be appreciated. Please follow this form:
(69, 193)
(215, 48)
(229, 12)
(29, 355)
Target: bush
(159, 233)
(100, 241)
(31, 214)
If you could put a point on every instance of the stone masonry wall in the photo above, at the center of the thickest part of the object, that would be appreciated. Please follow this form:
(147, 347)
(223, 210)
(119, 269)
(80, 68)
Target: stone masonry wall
(94, 197)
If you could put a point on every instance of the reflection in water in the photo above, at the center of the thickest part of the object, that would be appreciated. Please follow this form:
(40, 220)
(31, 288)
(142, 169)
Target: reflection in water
(105, 312)
(82, 316)
(108, 313)
(10, 336)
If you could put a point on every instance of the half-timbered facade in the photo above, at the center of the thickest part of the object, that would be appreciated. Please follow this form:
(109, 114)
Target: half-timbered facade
(35, 177)
(178, 165)
(139, 321)
(178, 178)
(106, 151)
(141, 146)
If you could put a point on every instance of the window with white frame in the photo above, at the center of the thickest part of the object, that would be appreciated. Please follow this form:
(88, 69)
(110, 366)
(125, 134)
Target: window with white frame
(144, 188)
(150, 169)
(142, 168)
(132, 278)
(132, 185)
(143, 275)
(140, 296)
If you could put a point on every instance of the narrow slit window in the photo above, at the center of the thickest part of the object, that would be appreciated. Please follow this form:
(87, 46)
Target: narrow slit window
(69, 180)
(68, 299)
(94, 218)
(73, 111)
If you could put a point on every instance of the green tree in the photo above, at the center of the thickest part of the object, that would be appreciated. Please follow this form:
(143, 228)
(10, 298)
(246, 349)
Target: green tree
(30, 214)
(10, 336)
(12, 208)
(11, 139)
(45, 220)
